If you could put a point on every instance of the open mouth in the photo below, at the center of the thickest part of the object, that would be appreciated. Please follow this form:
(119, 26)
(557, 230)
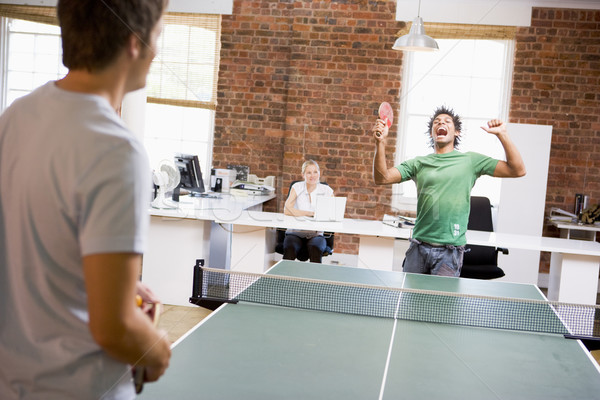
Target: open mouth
(441, 131)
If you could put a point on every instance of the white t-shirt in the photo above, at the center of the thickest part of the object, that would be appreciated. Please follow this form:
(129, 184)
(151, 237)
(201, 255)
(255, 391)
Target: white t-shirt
(74, 181)
(307, 202)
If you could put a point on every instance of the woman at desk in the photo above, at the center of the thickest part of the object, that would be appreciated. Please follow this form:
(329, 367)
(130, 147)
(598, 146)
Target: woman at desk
(301, 202)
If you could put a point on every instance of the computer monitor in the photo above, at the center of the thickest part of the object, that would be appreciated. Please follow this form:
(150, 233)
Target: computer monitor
(191, 175)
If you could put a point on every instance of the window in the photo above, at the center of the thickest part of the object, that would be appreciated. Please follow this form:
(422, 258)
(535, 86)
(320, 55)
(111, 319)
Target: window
(470, 76)
(182, 90)
(181, 86)
(33, 57)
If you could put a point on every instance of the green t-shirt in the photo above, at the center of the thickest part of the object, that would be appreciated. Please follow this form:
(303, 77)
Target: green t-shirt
(444, 183)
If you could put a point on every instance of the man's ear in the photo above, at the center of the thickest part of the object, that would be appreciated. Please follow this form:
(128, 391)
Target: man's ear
(134, 46)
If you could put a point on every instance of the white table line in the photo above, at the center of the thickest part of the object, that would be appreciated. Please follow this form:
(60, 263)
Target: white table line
(389, 355)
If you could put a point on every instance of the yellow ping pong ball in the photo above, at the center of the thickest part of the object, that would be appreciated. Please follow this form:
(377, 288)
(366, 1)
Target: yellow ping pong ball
(138, 300)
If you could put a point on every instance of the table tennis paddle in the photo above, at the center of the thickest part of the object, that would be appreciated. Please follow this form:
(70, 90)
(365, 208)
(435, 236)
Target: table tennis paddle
(139, 373)
(386, 113)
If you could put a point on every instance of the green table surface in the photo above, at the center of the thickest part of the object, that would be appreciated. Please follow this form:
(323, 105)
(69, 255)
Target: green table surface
(253, 351)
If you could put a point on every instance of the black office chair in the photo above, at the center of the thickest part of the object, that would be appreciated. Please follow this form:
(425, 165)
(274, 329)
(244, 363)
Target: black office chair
(481, 262)
(303, 254)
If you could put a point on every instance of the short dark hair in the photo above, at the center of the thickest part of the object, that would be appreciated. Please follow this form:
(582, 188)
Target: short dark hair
(95, 31)
(455, 118)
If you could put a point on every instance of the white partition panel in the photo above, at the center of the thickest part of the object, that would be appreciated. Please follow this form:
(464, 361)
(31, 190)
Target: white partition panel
(522, 201)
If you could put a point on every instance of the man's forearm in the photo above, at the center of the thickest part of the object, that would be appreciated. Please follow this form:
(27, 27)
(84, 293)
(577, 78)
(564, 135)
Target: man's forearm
(116, 323)
(514, 161)
(379, 164)
(136, 342)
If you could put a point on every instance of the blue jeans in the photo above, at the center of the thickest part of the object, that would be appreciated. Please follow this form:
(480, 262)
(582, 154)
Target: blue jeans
(304, 248)
(424, 258)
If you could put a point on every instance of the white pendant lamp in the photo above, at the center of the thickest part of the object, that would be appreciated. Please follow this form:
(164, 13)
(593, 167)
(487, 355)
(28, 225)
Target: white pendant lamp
(416, 39)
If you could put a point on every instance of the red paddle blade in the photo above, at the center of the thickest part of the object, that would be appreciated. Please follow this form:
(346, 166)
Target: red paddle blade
(386, 113)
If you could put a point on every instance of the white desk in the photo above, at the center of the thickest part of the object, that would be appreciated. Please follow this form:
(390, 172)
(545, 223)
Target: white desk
(569, 230)
(204, 208)
(376, 245)
(177, 238)
(574, 264)
(573, 271)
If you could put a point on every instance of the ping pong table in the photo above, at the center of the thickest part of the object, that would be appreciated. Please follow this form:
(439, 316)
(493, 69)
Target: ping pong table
(257, 351)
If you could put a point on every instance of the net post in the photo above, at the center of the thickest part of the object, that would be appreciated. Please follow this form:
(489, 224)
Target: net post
(200, 299)
(197, 282)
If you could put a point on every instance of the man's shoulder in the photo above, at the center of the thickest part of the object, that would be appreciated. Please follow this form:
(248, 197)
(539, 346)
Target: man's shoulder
(419, 159)
(476, 158)
(24, 102)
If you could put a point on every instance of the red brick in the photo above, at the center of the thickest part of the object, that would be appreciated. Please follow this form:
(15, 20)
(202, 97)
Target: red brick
(303, 79)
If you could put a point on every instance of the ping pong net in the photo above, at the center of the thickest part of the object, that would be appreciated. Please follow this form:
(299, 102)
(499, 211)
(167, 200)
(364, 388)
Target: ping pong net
(213, 287)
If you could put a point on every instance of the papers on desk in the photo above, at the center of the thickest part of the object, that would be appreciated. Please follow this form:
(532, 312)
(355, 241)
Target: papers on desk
(241, 188)
(558, 215)
(399, 221)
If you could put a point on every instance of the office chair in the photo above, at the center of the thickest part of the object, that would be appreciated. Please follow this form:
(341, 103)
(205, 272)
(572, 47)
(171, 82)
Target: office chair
(481, 262)
(303, 254)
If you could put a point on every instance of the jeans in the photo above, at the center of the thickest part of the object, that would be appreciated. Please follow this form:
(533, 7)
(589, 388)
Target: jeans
(424, 258)
(304, 248)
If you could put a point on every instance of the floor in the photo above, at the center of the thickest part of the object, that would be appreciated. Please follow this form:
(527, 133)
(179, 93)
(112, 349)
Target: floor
(177, 320)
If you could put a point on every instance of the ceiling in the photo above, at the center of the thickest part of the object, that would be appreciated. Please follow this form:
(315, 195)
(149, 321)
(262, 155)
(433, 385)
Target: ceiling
(486, 12)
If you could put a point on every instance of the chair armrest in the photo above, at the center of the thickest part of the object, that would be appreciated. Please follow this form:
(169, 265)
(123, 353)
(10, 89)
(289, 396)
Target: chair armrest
(502, 249)
(329, 238)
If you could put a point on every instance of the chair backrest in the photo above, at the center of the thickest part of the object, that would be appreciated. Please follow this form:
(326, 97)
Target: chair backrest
(481, 262)
(290, 188)
(480, 219)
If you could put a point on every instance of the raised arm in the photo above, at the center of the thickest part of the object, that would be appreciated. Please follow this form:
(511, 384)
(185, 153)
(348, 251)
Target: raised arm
(514, 166)
(382, 175)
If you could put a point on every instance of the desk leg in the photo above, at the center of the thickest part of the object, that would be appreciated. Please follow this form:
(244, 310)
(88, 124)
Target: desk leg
(376, 252)
(248, 248)
(573, 278)
(219, 255)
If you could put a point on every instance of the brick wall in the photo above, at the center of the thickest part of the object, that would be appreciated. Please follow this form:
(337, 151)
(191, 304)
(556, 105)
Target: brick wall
(557, 82)
(252, 88)
(303, 79)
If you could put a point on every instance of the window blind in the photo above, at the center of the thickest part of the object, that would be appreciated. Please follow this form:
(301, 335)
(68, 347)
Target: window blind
(464, 31)
(45, 15)
(185, 71)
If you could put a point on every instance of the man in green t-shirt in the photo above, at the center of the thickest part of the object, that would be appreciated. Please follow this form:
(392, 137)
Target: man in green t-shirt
(444, 181)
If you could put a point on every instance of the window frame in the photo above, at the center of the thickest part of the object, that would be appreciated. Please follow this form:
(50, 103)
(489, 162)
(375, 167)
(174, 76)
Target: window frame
(400, 201)
(198, 21)
(134, 111)
(5, 32)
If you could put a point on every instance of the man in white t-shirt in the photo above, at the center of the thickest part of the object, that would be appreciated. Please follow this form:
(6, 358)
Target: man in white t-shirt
(73, 216)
